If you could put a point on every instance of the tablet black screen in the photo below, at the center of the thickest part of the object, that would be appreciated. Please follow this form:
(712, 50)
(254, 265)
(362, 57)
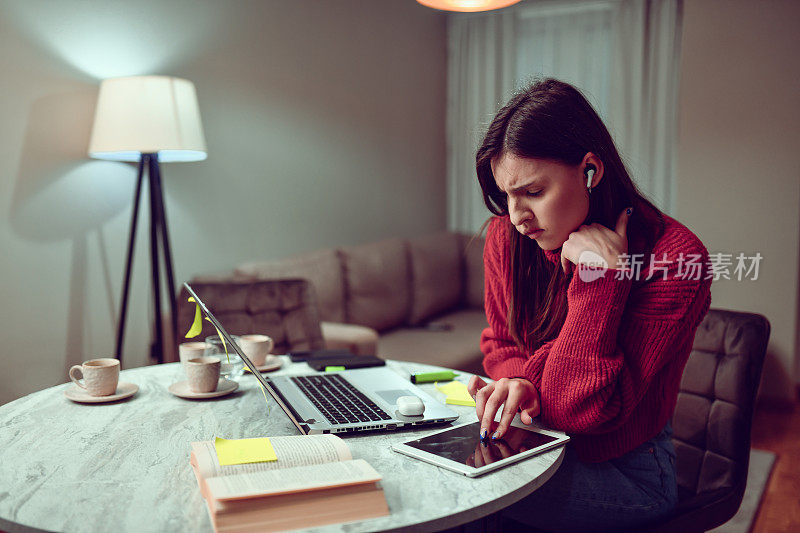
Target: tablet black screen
(463, 444)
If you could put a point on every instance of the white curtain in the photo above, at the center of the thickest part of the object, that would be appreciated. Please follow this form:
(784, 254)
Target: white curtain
(481, 74)
(643, 105)
(622, 54)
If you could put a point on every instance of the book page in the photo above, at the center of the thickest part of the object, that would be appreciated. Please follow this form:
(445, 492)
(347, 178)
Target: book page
(295, 450)
(294, 479)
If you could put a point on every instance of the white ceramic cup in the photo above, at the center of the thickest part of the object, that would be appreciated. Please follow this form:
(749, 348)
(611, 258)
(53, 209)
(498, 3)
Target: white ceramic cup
(256, 347)
(100, 376)
(203, 373)
(190, 350)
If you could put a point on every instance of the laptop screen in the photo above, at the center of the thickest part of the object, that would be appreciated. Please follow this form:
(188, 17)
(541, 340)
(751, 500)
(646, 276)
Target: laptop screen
(240, 352)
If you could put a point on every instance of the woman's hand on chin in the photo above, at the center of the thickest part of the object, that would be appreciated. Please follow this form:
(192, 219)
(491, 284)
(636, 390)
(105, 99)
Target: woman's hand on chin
(513, 394)
(588, 244)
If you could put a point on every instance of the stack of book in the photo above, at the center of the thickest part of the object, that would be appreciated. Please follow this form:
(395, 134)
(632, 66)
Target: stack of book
(314, 482)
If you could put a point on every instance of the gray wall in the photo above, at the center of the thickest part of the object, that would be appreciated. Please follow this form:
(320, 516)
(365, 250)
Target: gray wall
(738, 166)
(324, 122)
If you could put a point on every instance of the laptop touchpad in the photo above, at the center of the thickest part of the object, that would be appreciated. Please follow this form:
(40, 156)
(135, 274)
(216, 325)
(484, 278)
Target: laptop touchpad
(391, 396)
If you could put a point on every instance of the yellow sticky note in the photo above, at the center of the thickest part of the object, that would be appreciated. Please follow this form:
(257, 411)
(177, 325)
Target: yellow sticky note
(240, 451)
(457, 393)
(197, 325)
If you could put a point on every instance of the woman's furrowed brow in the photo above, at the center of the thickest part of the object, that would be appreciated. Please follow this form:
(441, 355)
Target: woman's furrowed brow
(531, 182)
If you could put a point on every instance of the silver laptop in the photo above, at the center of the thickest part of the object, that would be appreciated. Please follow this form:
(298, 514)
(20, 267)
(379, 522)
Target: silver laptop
(362, 399)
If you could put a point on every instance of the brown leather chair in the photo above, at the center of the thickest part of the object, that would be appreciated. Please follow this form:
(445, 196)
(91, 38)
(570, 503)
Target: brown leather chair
(284, 309)
(713, 417)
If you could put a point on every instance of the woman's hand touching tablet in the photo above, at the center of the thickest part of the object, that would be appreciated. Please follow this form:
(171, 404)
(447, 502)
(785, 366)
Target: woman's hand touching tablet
(514, 394)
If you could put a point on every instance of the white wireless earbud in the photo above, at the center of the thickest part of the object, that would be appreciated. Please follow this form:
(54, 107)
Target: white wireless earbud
(589, 170)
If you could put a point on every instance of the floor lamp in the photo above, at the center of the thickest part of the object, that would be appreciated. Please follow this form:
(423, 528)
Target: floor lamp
(148, 120)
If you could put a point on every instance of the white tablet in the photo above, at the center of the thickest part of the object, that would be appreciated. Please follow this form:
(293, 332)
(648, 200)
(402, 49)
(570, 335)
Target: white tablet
(461, 450)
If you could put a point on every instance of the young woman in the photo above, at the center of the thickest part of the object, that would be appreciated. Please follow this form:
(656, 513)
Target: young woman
(593, 297)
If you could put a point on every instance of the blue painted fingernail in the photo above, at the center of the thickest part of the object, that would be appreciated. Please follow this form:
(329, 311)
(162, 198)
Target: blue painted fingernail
(495, 435)
(483, 434)
(629, 210)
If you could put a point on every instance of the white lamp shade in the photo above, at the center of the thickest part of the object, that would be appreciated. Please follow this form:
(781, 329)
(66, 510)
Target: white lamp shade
(145, 115)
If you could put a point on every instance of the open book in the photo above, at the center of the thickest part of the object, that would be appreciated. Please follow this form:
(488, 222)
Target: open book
(315, 481)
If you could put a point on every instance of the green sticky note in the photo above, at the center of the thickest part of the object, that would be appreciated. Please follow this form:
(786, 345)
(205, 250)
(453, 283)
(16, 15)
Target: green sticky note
(241, 451)
(334, 368)
(427, 377)
(457, 393)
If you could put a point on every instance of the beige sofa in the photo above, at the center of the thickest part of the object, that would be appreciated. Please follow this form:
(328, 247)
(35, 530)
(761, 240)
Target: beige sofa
(418, 299)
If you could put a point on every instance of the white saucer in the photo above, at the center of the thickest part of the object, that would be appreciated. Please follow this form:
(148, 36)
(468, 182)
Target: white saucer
(268, 365)
(182, 390)
(124, 390)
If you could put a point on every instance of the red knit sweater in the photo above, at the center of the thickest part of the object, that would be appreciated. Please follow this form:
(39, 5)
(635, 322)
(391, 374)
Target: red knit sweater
(610, 378)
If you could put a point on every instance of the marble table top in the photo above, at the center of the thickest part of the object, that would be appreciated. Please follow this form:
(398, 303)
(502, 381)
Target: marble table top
(124, 466)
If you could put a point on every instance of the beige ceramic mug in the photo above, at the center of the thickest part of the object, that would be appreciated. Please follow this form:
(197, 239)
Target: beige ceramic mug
(256, 347)
(100, 376)
(203, 373)
(190, 350)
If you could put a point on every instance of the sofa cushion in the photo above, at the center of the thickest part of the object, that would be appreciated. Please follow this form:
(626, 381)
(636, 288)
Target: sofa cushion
(322, 268)
(458, 348)
(377, 285)
(472, 257)
(436, 277)
(359, 340)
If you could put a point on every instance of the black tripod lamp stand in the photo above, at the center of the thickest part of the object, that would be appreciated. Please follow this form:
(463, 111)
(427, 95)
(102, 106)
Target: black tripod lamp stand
(149, 120)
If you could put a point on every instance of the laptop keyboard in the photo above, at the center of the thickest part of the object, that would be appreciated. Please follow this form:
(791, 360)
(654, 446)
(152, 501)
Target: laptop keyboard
(338, 400)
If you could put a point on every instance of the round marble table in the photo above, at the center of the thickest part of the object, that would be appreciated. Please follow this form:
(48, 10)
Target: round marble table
(124, 466)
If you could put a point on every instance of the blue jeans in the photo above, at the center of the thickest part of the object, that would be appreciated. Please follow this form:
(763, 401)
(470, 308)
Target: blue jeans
(622, 493)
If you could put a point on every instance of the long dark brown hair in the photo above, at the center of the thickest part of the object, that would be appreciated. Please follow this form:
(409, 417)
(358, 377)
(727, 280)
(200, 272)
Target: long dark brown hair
(552, 120)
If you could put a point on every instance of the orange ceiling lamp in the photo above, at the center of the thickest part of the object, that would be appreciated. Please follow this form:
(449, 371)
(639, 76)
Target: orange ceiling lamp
(467, 6)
